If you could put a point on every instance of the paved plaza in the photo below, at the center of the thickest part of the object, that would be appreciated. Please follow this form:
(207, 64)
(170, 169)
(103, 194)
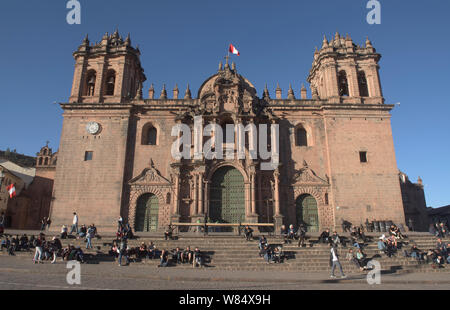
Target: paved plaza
(19, 273)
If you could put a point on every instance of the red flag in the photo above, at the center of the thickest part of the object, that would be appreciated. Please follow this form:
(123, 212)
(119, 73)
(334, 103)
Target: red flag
(233, 50)
(11, 190)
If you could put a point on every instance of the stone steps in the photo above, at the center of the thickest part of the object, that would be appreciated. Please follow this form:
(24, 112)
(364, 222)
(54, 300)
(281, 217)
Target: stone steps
(235, 253)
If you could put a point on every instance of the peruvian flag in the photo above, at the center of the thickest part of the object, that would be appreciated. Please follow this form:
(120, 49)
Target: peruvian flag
(11, 190)
(233, 50)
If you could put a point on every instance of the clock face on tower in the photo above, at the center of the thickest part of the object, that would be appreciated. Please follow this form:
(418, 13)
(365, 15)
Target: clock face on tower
(93, 128)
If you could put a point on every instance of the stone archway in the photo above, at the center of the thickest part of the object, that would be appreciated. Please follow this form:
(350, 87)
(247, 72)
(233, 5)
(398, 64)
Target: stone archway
(147, 213)
(307, 212)
(227, 196)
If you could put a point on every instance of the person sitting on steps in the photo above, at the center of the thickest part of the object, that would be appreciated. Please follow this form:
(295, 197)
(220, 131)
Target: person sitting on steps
(324, 236)
(291, 233)
(164, 259)
(177, 256)
(151, 250)
(351, 257)
(248, 233)
(168, 233)
(142, 251)
(262, 241)
(187, 255)
(353, 232)
(335, 239)
(361, 258)
(197, 258)
(360, 232)
(277, 255)
(284, 233)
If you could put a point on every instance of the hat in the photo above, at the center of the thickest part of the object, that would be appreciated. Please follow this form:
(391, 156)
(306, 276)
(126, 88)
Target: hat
(382, 237)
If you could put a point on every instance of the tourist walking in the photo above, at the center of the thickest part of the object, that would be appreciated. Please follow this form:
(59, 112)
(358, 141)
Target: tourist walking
(123, 251)
(39, 242)
(43, 223)
(89, 235)
(334, 262)
(74, 224)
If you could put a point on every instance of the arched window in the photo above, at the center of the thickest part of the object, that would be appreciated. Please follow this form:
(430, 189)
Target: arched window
(362, 83)
(90, 83)
(301, 137)
(110, 83)
(343, 83)
(149, 135)
(40, 161)
(46, 161)
(45, 151)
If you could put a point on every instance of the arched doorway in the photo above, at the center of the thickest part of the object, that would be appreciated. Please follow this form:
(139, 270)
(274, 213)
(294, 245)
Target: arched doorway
(147, 210)
(227, 196)
(307, 213)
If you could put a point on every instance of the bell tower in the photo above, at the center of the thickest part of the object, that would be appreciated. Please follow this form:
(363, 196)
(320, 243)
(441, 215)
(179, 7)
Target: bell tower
(343, 72)
(108, 71)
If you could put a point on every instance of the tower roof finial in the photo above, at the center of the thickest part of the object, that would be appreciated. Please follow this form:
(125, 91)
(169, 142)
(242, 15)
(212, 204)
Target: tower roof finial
(266, 94)
(324, 42)
(187, 94)
(163, 92)
(291, 92)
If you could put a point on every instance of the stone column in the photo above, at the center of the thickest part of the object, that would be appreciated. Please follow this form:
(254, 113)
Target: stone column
(252, 216)
(177, 194)
(330, 80)
(206, 201)
(247, 198)
(253, 198)
(260, 206)
(98, 91)
(175, 217)
(352, 79)
(195, 195)
(200, 183)
(373, 81)
(78, 82)
(276, 192)
(278, 217)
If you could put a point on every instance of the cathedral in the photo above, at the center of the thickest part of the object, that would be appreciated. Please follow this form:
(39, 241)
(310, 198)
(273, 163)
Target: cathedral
(336, 158)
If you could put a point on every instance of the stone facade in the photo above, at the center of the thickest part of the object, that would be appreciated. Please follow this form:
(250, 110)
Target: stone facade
(336, 152)
(414, 204)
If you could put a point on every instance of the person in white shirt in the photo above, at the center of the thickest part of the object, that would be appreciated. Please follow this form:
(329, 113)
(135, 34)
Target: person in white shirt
(334, 261)
(74, 224)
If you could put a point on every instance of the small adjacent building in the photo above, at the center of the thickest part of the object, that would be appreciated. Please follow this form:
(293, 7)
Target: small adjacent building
(34, 187)
(414, 203)
(439, 215)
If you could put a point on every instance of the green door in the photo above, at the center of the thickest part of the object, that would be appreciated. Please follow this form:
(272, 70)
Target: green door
(227, 196)
(147, 213)
(307, 213)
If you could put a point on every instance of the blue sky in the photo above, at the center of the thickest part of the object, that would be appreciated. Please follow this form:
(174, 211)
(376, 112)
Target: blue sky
(183, 41)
